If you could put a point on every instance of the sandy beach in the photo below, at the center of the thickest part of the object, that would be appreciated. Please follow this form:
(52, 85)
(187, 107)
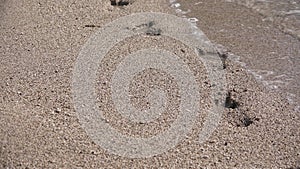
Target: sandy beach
(40, 128)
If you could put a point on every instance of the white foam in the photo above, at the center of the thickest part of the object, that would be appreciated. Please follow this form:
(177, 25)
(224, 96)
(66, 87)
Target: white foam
(193, 20)
(291, 99)
(293, 12)
(175, 5)
(182, 12)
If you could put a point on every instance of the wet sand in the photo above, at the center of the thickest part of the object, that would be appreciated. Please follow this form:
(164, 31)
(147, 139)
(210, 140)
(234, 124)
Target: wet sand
(39, 128)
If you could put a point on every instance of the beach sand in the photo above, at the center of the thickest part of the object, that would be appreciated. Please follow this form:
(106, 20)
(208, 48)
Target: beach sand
(39, 128)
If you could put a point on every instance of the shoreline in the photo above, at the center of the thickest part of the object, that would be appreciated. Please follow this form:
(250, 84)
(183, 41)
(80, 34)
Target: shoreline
(40, 128)
(257, 56)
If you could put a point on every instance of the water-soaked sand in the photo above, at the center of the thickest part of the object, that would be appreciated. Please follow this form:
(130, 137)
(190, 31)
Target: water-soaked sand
(285, 14)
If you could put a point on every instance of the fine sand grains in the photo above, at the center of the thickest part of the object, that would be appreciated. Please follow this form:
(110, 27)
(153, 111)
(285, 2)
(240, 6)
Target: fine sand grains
(40, 41)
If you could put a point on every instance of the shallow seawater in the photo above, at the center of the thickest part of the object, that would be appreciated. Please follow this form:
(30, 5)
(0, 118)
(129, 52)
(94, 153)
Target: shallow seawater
(285, 13)
(278, 72)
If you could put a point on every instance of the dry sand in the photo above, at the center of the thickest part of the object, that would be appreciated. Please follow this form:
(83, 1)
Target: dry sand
(39, 127)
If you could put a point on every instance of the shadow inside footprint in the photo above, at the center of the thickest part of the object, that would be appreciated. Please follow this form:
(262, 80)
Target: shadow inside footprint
(231, 103)
(236, 115)
(119, 2)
